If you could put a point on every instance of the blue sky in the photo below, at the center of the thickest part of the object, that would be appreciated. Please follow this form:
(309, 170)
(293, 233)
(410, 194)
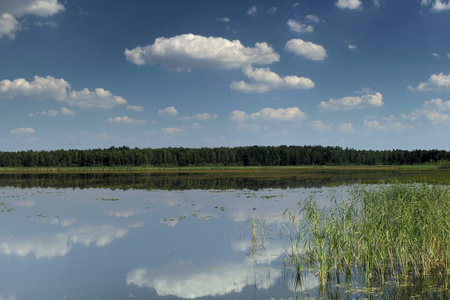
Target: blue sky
(364, 74)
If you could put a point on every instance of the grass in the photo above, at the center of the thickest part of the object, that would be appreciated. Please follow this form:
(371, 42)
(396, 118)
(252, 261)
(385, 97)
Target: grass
(137, 169)
(392, 233)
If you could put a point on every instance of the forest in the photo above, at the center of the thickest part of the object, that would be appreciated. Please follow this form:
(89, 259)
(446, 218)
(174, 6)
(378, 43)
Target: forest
(221, 156)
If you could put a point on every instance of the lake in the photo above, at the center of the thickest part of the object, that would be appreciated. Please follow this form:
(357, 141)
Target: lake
(113, 237)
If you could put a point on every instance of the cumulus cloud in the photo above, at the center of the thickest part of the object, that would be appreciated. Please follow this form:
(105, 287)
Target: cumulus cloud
(12, 9)
(40, 8)
(184, 280)
(8, 26)
(135, 108)
(436, 82)
(438, 5)
(352, 47)
(201, 117)
(435, 111)
(125, 213)
(42, 88)
(349, 4)
(171, 130)
(320, 126)
(269, 114)
(68, 112)
(46, 24)
(224, 19)
(347, 103)
(168, 111)
(22, 130)
(306, 49)
(45, 246)
(299, 27)
(188, 51)
(312, 18)
(125, 120)
(252, 10)
(97, 99)
(346, 127)
(50, 113)
(386, 126)
(263, 80)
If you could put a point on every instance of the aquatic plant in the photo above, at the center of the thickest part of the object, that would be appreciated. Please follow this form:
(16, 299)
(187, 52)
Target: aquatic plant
(398, 233)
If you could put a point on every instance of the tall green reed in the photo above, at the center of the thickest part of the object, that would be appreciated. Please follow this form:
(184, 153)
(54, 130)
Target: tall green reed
(397, 232)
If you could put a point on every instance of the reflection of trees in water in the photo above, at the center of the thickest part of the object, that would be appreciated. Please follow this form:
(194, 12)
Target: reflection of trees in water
(200, 180)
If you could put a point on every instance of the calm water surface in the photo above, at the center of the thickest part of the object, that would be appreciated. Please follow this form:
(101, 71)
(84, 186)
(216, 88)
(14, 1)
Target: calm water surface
(156, 244)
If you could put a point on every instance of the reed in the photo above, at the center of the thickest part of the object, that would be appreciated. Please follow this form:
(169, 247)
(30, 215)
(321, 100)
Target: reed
(398, 233)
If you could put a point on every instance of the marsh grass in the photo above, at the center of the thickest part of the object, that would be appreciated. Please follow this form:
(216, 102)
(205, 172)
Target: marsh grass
(391, 233)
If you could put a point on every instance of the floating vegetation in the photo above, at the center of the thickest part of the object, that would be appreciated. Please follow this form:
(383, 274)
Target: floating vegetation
(107, 199)
(4, 208)
(397, 233)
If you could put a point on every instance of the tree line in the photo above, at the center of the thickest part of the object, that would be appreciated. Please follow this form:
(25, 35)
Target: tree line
(221, 156)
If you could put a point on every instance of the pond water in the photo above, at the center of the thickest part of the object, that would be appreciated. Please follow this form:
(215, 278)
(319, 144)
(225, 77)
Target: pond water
(110, 243)
(116, 244)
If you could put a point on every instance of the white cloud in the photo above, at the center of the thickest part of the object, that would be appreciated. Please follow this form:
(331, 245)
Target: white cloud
(40, 8)
(438, 5)
(252, 10)
(346, 127)
(135, 108)
(347, 103)
(306, 49)
(97, 99)
(320, 126)
(125, 214)
(187, 51)
(389, 118)
(295, 4)
(102, 136)
(12, 9)
(125, 120)
(349, 4)
(376, 3)
(352, 47)
(22, 130)
(387, 126)
(448, 55)
(189, 281)
(45, 246)
(224, 19)
(8, 26)
(436, 82)
(39, 88)
(269, 114)
(65, 111)
(201, 117)
(435, 55)
(58, 89)
(272, 10)
(435, 111)
(263, 80)
(46, 24)
(171, 130)
(50, 113)
(168, 111)
(312, 18)
(299, 27)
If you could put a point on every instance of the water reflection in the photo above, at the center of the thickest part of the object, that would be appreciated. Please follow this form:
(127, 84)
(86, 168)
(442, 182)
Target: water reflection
(103, 243)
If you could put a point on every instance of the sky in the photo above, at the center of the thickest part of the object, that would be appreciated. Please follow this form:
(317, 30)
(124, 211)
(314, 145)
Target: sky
(364, 74)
